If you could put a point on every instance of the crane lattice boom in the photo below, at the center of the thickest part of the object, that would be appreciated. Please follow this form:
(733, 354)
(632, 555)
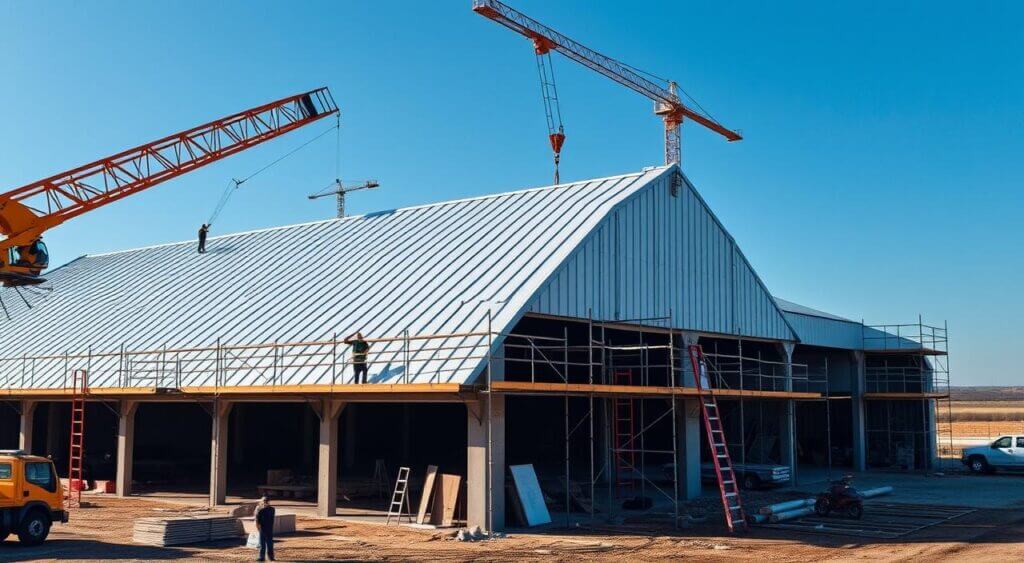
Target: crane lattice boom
(667, 102)
(28, 211)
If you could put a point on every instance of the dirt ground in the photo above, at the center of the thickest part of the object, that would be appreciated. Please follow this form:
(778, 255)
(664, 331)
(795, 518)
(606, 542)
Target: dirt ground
(983, 429)
(103, 532)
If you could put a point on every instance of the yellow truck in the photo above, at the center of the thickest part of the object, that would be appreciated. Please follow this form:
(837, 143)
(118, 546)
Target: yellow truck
(31, 497)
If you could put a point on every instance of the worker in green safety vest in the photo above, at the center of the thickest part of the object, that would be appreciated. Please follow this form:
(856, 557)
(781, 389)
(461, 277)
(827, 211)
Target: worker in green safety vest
(360, 348)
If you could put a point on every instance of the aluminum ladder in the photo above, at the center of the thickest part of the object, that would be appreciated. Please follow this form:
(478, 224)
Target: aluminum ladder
(399, 498)
(79, 387)
(728, 486)
(625, 450)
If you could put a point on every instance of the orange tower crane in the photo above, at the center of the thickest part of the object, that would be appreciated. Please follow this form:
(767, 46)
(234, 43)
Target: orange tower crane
(27, 212)
(667, 103)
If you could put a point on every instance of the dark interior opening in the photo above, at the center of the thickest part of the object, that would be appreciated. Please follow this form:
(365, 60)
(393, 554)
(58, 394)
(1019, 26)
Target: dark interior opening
(753, 431)
(896, 435)
(172, 447)
(51, 436)
(10, 423)
(816, 441)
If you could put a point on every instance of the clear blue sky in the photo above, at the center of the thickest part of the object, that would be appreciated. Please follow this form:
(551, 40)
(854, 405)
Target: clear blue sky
(881, 176)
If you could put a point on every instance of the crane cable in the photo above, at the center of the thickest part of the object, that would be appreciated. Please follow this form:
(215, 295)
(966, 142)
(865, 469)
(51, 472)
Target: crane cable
(235, 183)
(666, 81)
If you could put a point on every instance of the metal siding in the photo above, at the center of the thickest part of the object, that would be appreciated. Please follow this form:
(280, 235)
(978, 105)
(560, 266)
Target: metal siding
(667, 253)
(831, 333)
(432, 269)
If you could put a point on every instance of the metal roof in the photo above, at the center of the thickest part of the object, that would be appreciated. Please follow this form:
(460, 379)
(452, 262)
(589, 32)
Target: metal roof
(790, 307)
(432, 269)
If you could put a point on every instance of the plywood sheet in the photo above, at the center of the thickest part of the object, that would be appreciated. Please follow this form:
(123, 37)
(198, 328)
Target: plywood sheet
(428, 487)
(530, 496)
(446, 499)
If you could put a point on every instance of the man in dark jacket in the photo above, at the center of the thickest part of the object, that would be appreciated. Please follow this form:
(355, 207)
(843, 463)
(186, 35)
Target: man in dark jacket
(360, 347)
(202, 237)
(265, 527)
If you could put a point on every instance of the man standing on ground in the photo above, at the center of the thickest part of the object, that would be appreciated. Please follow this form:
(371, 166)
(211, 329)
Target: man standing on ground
(265, 527)
(359, 349)
(202, 237)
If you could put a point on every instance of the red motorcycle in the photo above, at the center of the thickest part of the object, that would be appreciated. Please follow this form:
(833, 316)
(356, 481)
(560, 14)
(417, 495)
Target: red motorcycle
(841, 496)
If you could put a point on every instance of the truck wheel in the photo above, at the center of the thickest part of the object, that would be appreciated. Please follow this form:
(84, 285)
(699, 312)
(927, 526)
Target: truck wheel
(34, 528)
(979, 465)
(823, 506)
(751, 482)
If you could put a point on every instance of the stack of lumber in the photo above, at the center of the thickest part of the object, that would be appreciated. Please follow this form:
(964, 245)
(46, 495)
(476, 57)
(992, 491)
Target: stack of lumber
(180, 530)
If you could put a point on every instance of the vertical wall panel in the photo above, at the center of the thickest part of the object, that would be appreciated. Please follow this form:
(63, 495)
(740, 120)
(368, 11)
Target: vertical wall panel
(657, 253)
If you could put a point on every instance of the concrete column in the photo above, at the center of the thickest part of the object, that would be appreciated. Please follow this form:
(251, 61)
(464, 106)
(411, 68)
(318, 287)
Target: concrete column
(328, 412)
(787, 422)
(28, 410)
(219, 452)
(485, 478)
(857, 389)
(688, 421)
(125, 447)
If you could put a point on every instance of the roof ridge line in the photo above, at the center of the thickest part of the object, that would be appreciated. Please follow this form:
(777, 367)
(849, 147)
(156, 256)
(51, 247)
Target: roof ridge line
(562, 185)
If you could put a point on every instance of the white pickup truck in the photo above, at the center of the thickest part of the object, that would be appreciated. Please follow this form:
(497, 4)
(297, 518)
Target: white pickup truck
(1006, 452)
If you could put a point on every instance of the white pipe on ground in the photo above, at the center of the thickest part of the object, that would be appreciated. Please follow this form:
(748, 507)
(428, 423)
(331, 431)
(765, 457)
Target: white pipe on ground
(870, 493)
(783, 516)
(784, 506)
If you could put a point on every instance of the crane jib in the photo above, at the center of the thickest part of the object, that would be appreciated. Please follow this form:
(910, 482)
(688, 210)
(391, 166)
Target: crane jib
(27, 212)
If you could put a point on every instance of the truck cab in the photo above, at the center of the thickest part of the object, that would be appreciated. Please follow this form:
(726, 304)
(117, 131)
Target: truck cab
(31, 497)
(1005, 452)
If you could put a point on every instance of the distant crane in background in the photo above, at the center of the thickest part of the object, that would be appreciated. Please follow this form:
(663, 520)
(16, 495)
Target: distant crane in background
(337, 188)
(667, 102)
(27, 212)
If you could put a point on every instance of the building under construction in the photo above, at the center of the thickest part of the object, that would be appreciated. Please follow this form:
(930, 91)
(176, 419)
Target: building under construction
(549, 327)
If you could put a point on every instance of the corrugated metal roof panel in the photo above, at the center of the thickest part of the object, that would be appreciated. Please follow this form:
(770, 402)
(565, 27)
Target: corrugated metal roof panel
(791, 307)
(433, 269)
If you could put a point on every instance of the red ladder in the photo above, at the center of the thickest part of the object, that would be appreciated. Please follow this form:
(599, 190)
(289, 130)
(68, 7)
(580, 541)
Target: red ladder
(735, 518)
(80, 386)
(625, 450)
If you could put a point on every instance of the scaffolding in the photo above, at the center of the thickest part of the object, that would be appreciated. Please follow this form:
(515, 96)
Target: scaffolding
(906, 375)
(647, 355)
(649, 350)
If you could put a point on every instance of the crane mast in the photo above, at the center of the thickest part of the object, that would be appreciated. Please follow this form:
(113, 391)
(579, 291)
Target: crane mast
(27, 212)
(667, 103)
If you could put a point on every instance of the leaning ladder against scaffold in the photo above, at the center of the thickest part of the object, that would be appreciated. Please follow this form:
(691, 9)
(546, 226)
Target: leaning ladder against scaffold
(724, 471)
(79, 387)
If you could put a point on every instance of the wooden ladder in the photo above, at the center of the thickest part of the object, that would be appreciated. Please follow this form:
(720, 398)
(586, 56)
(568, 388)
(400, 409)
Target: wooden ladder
(399, 498)
(80, 385)
(728, 486)
(625, 449)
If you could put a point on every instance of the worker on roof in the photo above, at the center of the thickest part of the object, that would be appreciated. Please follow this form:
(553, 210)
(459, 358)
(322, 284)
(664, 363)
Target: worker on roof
(360, 347)
(264, 517)
(202, 237)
